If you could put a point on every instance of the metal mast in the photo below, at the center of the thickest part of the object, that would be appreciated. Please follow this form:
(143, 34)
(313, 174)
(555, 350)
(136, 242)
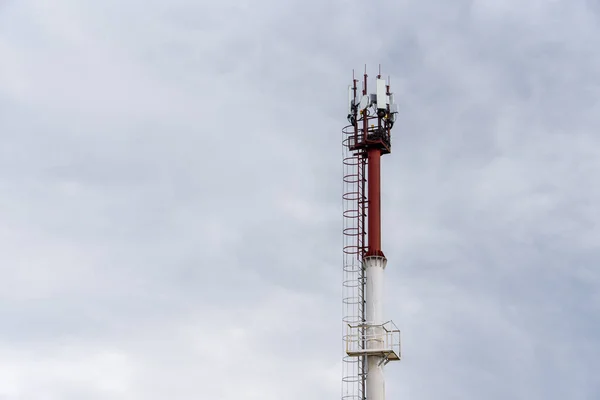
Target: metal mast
(370, 340)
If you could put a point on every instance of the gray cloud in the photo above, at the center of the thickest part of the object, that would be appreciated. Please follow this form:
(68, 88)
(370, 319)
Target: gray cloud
(170, 179)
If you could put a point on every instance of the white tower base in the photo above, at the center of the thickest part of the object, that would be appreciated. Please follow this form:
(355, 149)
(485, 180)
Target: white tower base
(374, 267)
(375, 378)
(376, 339)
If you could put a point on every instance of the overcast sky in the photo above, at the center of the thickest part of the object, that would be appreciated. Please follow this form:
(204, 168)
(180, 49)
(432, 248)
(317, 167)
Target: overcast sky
(170, 197)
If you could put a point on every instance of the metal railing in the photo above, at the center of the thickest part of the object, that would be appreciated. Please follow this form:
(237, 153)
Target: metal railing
(380, 339)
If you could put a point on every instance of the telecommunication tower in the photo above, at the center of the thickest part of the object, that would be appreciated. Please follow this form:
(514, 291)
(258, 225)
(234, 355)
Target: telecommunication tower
(370, 340)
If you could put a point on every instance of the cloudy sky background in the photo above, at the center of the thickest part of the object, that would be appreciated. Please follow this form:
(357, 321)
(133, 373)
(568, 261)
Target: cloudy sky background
(170, 182)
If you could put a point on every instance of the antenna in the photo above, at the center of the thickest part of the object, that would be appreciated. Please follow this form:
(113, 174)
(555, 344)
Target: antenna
(371, 340)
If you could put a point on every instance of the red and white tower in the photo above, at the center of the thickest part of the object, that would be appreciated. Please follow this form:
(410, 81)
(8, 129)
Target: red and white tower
(370, 340)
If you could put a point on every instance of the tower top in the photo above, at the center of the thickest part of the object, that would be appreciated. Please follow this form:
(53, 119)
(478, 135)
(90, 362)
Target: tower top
(371, 114)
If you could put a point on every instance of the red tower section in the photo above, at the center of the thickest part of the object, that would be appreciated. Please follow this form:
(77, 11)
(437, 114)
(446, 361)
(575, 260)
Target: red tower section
(369, 137)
